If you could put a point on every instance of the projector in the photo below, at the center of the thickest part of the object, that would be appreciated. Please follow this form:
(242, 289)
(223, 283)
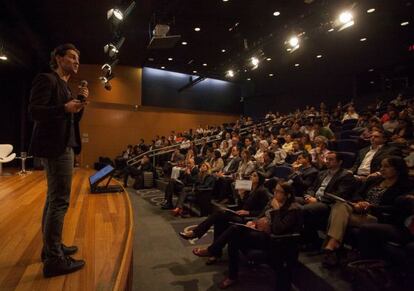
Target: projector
(161, 40)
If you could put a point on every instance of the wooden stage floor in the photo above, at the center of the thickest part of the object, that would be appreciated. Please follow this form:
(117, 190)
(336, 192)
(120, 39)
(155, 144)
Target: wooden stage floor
(101, 225)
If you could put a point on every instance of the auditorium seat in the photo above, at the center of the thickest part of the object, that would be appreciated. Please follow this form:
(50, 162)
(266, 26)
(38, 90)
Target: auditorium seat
(349, 159)
(6, 155)
(283, 172)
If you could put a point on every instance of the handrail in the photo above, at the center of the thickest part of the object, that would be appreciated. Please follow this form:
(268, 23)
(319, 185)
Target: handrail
(168, 149)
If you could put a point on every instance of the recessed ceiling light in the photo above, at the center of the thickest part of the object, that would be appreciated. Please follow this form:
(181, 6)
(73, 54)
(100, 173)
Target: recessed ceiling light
(363, 39)
(205, 65)
(268, 59)
(271, 75)
(170, 59)
(248, 79)
(225, 0)
(3, 57)
(370, 10)
(372, 82)
(184, 43)
(297, 65)
(194, 72)
(197, 29)
(330, 30)
(404, 23)
(288, 49)
(223, 50)
(151, 59)
(276, 13)
(319, 56)
(370, 70)
(162, 67)
(345, 17)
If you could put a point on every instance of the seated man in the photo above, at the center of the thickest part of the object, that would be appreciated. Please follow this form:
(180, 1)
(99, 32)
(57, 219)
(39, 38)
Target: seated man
(222, 187)
(187, 178)
(316, 209)
(369, 158)
(304, 174)
(137, 172)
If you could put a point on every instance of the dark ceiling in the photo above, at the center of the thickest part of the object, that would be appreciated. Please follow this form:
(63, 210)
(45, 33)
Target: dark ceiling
(244, 28)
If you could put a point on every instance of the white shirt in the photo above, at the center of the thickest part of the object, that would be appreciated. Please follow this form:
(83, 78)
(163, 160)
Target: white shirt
(350, 116)
(365, 167)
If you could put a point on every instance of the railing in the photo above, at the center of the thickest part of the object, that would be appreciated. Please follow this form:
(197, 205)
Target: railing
(210, 139)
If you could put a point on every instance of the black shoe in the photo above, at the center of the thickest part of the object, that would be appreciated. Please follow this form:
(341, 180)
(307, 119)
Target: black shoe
(61, 265)
(167, 206)
(330, 259)
(187, 237)
(67, 251)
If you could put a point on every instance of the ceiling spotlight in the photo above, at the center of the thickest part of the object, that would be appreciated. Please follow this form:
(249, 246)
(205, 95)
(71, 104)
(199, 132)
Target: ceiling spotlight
(162, 68)
(288, 49)
(225, 0)
(223, 50)
(105, 80)
(255, 62)
(197, 29)
(248, 79)
(363, 39)
(370, 10)
(330, 30)
(112, 49)
(404, 23)
(319, 56)
(345, 17)
(170, 59)
(293, 43)
(297, 65)
(107, 68)
(372, 82)
(276, 13)
(184, 43)
(3, 57)
(268, 59)
(230, 74)
(271, 75)
(194, 72)
(205, 65)
(115, 15)
(370, 70)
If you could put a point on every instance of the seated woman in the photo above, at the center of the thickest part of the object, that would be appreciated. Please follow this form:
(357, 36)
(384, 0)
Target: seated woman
(281, 216)
(204, 181)
(376, 196)
(217, 162)
(251, 204)
(137, 172)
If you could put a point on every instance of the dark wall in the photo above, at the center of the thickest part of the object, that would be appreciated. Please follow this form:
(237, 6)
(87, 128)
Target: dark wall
(160, 88)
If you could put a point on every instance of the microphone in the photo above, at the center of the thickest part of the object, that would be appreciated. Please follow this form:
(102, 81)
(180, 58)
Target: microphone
(82, 84)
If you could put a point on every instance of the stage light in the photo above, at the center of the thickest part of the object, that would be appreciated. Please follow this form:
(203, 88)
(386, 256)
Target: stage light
(405, 23)
(107, 68)
(276, 13)
(255, 62)
(184, 43)
(345, 20)
(197, 29)
(230, 74)
(370, 10)
(112, 49)
(115, 15)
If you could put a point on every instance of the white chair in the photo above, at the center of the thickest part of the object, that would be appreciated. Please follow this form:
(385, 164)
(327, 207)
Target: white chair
(6, 155)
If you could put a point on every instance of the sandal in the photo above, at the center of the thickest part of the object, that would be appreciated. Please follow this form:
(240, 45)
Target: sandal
(186, 235)
(226, 283)
(200, 252)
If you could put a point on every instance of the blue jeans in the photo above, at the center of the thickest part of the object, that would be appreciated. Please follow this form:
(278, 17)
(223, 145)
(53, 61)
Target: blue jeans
(59, 180)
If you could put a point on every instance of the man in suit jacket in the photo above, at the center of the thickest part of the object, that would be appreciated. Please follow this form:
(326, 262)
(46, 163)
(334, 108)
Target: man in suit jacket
(55, 139)
(304, 174)
(334, 180)
(369, 158)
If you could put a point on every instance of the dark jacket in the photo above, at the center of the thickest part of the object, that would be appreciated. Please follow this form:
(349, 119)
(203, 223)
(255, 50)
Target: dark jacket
(269, 170)
(189, 179)
(233, 167)
(304, 179)
(382, 153)
(255, 201)
(342, 184)
(206, 183)
(401, 187)
(287, 220)
(52, 125)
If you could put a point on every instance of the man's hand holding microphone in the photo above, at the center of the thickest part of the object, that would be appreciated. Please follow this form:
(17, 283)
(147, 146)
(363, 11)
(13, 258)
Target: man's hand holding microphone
(76, 105)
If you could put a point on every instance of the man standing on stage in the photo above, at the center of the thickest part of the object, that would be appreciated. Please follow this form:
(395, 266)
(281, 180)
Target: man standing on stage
(55, 139)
